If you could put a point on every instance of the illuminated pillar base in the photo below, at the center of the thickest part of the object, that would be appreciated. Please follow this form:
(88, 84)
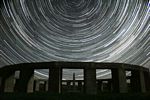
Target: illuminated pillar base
(9, 84)
(30, 85)
(22, 83)
(37, 84)
(7, 81)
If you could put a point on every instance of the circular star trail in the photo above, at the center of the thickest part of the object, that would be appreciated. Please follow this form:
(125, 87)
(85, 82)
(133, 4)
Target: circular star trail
(75, 30)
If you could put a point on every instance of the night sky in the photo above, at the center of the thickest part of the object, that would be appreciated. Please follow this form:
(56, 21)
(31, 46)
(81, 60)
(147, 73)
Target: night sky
(75, 30)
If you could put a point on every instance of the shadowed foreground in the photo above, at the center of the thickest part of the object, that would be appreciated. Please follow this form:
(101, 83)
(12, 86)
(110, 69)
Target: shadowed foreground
(73, 96)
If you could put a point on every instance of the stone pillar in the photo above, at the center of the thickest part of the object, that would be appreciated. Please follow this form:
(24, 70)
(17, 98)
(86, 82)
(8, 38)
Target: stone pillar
(30, 85)
(74, 82)
(2, 87)
(142, 81)
(137, 81)
(90, 80)
(22, 83)
(1, 84)
(109, 85)
(119, 80)
(37, 85)
(55, 77)
(46, 85)
(68, 83)
(6, 80)
(9, 84)
(147, 80)
(102, 86)
(99, 86)
(74, 79)
(80, 86)
(0, 81)
(34, 85)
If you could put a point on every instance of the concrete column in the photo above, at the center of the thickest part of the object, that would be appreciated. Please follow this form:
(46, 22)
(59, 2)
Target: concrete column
(99, 86)
(46, 85)
(80, 85)
(55, 77)
(74, 79)
(119, 80)
(142, 81)
(37, 85)
(102, 86)
(1, 86)
(22, 83)
(34, 85)
(147, 80)
(30, 85)
(90, 80)
(17, 74)
(137, 81)
(6, 80)
(74, 82)
(0, 80)
(9, 84)
(68, 83)
(109, 85)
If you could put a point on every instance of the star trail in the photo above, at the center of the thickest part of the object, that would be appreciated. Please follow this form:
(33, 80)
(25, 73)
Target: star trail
(75, 30)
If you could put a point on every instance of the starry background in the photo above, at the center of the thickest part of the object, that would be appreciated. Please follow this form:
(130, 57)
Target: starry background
(75, 30)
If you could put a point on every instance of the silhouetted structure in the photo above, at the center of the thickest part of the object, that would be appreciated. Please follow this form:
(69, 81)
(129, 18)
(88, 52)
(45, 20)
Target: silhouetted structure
(25, 82)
